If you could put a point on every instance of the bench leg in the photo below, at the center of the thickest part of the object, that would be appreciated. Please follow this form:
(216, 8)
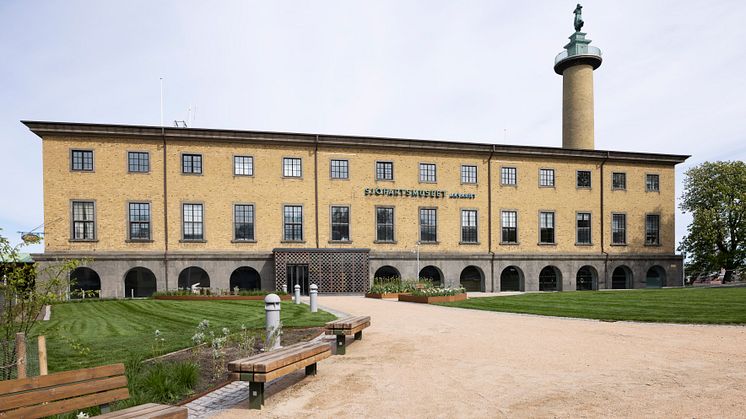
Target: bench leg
(341, 344)
(256, 395)
(105, 408)
(359, 335)
(311, 369)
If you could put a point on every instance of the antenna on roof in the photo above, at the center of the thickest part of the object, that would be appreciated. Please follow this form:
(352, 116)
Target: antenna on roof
(180, 124)
(161, 101)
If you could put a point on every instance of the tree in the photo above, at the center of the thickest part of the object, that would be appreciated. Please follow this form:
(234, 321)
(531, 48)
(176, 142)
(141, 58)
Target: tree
(715, 194)
(24, 290)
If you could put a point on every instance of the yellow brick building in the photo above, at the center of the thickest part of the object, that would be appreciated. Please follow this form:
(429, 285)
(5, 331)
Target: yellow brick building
(155, 208)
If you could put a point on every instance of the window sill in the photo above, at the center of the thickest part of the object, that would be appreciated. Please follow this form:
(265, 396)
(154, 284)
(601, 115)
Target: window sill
(83, 241)
(191, 174)
(619, 189)
(138, 173)
(193, 241)
(433, 182)
(546, 244)
(509, 243)
(652, 245)
(587, 188)
(384, 180)
(470, 243)
(340, 241)
(339, 178)
(139, 241)
(293, 177)
(293, 241)
(547, 186)
(384, 241)
(619, 244)
(239, 175)
(651, 191)
(243, 241)
(82, 171)
(583, 244)
(429, 243)
(509, 185)
(469, 184)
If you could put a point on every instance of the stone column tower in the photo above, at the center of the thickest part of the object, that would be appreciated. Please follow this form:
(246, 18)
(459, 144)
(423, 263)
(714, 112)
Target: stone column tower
(576, 65)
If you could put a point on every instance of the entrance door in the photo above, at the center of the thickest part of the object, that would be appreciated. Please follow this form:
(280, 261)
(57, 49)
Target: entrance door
(297, 274)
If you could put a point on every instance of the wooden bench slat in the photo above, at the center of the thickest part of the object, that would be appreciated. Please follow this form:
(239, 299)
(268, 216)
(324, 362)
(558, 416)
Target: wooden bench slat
(277, 359)
(149, 410)
(64, 406)
(259, 358)
(269, 376)
(50, 394)
(348, 323)
(347, 331)
(65, 377)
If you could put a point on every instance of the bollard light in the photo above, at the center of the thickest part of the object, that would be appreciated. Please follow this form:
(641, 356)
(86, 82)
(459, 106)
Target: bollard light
(314, 298)
(272, 317)
(297, 294)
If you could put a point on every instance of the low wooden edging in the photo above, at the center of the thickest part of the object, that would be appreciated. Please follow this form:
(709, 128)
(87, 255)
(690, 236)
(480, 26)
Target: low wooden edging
(384, 295)
(428, 300)
(284, 297)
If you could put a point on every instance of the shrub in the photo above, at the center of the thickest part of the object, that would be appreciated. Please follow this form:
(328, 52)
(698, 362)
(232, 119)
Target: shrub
(396, 285)
(438, 292)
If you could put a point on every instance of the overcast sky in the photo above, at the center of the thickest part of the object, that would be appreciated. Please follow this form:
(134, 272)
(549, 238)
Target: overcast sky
(673, 79)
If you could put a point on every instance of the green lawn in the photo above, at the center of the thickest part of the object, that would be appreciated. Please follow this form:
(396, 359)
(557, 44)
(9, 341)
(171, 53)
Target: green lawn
(690, 305)
(103, 332)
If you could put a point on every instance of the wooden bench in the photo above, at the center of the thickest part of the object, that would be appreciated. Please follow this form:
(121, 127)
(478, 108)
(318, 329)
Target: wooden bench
(68, 391)
(263, 368)
(346, 327)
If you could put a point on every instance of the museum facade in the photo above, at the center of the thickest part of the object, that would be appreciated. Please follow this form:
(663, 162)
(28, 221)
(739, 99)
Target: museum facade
(164, 208)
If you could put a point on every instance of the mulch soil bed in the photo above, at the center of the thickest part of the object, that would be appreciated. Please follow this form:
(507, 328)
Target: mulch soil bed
(429, 300)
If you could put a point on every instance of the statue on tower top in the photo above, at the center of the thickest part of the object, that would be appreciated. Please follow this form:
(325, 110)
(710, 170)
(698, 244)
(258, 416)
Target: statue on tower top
(578, 17)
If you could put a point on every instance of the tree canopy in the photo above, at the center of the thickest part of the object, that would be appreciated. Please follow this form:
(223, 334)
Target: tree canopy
(715, 194)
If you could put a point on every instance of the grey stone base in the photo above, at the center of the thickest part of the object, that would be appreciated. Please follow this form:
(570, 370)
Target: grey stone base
(112, 268)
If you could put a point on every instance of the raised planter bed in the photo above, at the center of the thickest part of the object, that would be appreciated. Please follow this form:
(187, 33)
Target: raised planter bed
(284, 297)
(383, 295)
(429, 300)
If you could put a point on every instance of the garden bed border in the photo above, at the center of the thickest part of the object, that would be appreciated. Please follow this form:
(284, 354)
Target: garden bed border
(431, 299)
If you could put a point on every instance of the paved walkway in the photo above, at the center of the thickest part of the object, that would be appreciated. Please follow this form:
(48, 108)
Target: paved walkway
(428, 361)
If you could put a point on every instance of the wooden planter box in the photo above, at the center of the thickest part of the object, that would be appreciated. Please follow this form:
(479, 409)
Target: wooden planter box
(284, 297)
(383, 295)
(428, 300)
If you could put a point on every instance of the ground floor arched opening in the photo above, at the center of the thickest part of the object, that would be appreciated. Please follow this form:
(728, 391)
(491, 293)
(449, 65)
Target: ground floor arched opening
(431, 273)
(471, 279)
(655, 277)
(550, 279)
(194, 275)
(84, 283)
(386, 273)
(621, 278)
(139, 282)
(245, 278)
(586, 279)
(511, 279)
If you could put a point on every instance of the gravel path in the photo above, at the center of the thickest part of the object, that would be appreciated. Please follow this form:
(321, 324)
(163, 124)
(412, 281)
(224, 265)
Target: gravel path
(418, 360)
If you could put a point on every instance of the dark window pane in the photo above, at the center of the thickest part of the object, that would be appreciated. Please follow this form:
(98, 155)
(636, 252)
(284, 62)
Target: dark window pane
(584, 179)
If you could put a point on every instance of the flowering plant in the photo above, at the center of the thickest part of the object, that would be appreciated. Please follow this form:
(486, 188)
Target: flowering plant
(438, 292)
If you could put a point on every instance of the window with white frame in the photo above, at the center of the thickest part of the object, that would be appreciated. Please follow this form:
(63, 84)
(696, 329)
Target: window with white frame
(339, 169)
(243, 222)
(509, 221)
(427, 172)
(292, 167)
(428, 225)
(618, 229)
(139, 221)
(508, 175)
(468, 226)
(293, 223)
(243, 165)
(340, 223)
(468, 174)
(546, 177)
(384, 170)
(84, 223)
(546, 227)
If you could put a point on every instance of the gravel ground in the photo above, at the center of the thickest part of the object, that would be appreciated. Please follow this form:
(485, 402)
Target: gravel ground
(418, 360)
